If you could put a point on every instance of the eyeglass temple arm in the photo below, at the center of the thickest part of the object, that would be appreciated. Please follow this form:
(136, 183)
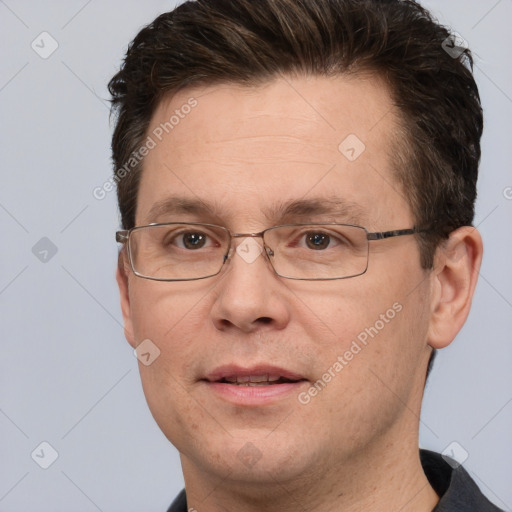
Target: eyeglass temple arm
(390, 234)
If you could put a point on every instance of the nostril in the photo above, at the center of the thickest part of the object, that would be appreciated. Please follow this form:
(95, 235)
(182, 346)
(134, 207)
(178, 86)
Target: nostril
(264, 320)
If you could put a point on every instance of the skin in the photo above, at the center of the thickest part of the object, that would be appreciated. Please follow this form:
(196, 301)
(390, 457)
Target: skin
(354, 446)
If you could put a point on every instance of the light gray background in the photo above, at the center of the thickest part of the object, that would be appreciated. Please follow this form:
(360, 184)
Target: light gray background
(67, 375)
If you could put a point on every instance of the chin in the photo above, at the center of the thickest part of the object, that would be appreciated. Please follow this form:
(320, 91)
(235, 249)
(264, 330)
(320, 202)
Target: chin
(249, 457)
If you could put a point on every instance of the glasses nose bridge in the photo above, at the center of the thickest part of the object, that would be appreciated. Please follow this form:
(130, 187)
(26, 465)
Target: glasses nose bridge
(248, 235)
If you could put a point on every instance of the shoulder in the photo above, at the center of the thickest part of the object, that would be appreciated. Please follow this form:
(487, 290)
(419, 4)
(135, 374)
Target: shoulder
(456, 489)
(179, 504)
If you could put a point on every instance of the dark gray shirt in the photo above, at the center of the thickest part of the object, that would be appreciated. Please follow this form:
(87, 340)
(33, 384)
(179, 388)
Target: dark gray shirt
(456, 489)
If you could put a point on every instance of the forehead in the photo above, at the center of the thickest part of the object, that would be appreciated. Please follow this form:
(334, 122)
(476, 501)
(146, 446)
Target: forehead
(243, 150)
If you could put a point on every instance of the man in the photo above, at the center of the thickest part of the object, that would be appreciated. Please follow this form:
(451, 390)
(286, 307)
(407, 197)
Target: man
(296, 183)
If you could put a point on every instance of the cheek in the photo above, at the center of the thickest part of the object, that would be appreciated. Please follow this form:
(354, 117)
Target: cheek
(171, 319)
(339, 313)
(367, 369)
(164, 311)
(170, 315)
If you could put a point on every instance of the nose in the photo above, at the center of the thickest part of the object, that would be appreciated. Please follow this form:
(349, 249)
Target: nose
(250, 296)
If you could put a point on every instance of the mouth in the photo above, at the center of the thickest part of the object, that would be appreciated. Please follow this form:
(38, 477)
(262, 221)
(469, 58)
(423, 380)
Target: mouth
(257, 385)
(256, 380)
(255, 376)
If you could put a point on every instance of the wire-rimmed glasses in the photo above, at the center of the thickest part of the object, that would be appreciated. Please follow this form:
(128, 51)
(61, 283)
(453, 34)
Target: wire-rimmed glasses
(186, 251)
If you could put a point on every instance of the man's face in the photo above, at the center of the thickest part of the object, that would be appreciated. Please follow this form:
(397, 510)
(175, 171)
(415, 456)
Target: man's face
(246, 152)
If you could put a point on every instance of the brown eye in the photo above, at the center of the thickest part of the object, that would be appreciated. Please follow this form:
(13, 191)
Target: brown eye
(317, 241)
(193, 240)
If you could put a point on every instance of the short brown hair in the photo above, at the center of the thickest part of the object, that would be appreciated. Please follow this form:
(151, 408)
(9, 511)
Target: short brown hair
(249, 42)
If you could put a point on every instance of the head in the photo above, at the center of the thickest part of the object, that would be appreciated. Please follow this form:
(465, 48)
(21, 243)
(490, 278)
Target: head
(243, 108)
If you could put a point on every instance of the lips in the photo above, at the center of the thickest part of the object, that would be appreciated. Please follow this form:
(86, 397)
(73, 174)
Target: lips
(255, 380)
(255, 386)
(254, 376)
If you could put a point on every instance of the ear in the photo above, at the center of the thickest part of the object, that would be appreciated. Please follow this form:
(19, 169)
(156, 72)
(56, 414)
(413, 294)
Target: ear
(122, 274)
(454, 278)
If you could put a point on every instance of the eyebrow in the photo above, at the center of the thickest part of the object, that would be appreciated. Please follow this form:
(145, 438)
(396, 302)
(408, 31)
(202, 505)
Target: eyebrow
(301, 209)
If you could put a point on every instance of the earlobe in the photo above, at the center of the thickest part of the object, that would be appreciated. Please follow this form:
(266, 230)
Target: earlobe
(123, 284)
(453, 284)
